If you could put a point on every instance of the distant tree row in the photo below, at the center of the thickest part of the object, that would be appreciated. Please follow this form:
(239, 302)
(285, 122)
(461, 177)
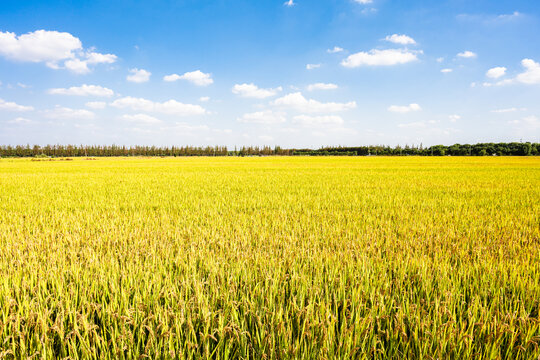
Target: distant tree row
(484, 149)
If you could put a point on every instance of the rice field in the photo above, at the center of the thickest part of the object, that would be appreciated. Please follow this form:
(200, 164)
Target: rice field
(270, 258)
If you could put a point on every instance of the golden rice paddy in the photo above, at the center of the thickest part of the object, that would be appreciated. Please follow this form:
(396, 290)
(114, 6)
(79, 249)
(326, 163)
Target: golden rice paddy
(270, 258)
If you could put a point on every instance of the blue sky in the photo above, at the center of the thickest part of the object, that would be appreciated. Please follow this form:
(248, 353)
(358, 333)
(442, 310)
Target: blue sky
(301, 73)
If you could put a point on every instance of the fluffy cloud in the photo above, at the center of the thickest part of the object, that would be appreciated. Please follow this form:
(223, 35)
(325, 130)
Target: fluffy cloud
(97, 58)
(84, 90)
(253, 91)
(380, 58)
(138, 75)
(404, 109)
(196, 77)
(79, 66)
(312, 66)
(496, 72)
(400, 39)
(39, 46)
(467, 54)
(531, 74)
(64, 113)
(96, 105)
(307, 120)
(364, 2)
(141, 118)
(11, 106)
(289, 3)
(298, 102)
(204, 98)
(263, 117)
(446, 71)
(171, 107)
(335, 50)
(51, 48)
(322, 86)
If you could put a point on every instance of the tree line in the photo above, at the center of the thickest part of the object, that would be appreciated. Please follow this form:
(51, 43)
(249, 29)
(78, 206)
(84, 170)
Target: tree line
(482, 149)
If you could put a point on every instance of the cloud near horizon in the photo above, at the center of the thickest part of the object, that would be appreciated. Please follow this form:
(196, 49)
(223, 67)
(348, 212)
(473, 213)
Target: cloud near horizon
(298, 102)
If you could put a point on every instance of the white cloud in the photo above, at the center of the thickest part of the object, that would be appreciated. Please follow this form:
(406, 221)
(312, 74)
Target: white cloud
(440, 60)
(96, 105)
(467, 54)
(380, 58)
(508, 110)
(171, 107)
(508, 17)
(263, 117)
(335, 50)
(97, 58)
(446, 71)
(20, 120)
(77, 66)
(138, 75)
(298, 102)
(51, 48)
(204, 98)
(322, 86)
(11, 106)
(183, 127)
(141, 118)
(491, 19)
(364, 2)
(39, 46)
(454, 118)
(253, 91)
(64, 113)
(400, 39)
(289, 3)
(404, 109)
(312, 66)
(308, 120)
(499, 83)
(172, 77)
(529, 123)
(196, 77)
(84, 90)
(531, 74)
(368, 11)
(496, 72)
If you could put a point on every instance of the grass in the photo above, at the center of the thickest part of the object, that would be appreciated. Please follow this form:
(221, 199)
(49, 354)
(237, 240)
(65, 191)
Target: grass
(270, 258)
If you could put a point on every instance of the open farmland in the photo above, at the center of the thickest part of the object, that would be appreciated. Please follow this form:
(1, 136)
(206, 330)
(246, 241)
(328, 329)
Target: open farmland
(270, 258)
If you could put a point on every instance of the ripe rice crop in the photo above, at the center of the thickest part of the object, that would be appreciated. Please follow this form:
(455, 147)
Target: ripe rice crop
(276, 258)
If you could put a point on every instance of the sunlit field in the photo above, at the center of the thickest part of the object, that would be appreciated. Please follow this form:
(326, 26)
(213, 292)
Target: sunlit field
(276, 258)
